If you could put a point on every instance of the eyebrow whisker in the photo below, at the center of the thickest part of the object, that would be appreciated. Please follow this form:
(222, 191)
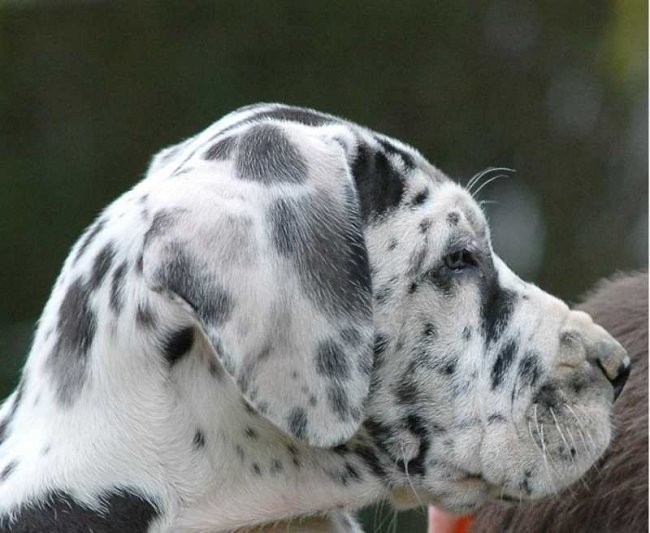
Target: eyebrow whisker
(487, 182)
(481, 174)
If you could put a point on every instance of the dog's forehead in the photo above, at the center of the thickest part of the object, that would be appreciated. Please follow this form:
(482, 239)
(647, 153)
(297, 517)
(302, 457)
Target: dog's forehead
(457, 206)
(448, 211)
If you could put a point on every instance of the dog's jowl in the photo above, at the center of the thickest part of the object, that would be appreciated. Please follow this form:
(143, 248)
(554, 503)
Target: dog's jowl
(292, 315)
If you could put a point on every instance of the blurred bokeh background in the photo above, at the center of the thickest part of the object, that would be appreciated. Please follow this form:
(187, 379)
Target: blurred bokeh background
(555, 90)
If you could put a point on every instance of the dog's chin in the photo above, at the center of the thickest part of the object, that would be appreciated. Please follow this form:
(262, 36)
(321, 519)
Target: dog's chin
(457, 497)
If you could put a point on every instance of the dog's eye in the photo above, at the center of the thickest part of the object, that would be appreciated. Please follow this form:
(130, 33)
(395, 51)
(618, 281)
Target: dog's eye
(460, 260)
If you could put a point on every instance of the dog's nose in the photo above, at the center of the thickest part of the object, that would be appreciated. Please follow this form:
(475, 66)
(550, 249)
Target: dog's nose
(612, 359)
(584, 339)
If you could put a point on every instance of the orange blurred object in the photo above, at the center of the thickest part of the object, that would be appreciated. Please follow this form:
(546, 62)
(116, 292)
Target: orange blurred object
(440, 522)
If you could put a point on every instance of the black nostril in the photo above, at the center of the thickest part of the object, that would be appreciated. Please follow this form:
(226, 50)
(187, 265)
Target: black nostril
(618, 382)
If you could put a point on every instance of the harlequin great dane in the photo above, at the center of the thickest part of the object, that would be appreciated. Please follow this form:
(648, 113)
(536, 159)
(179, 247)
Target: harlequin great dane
(291, 316)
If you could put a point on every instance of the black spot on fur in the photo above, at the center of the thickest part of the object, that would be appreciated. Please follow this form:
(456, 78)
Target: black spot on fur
(58, 512)
(76, 330)
(379, 349)
(331, 361)
(430, 331)
(325, 240)
(89, 236)
(101, 266)
(293, 452)
(503, 363)
(345, 477)
(338, 401)
(144, 316)
(341, 450)
(177, 344)
(381, 342)
(256, 469)
(199, 439)
(496, 418)
(267, 156)
(528, 369)
(382, 294)
(297, 421)
(548, 397)
(406, 391)
(393, 150)
(379, 184)
(378, 431)
(412, 287)
(251, 433)
(420, 198)
(276, 466)
(7, 470)
(442, 279)
(453, 218)
(221, 149)
(525, 483)
(117, 287)
(352, 472)
(392, 244)
(449, 367)
(467, 333)
(369, 456)
(424, 225)
(239, 451)
(497, 306)
(182, 275)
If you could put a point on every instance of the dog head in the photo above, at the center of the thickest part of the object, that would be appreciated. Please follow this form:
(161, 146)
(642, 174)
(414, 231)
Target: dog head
(342, 281)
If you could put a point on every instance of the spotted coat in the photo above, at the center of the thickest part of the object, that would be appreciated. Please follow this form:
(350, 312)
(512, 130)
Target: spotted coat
(292, 315)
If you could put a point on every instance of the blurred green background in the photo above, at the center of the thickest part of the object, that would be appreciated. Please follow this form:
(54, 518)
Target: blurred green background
(556, 90)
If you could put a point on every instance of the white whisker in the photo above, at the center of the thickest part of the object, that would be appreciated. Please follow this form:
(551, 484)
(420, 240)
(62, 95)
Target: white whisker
(487, 182)
(472, 181)
(579, 427)
(408, 478)
(540, 432)
(479, 175)
(559, 429)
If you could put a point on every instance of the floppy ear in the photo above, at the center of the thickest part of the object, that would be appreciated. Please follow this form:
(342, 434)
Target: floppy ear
(264, 241)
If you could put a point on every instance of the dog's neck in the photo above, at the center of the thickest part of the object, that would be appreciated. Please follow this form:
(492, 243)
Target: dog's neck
(187, 441)
(260, 475)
